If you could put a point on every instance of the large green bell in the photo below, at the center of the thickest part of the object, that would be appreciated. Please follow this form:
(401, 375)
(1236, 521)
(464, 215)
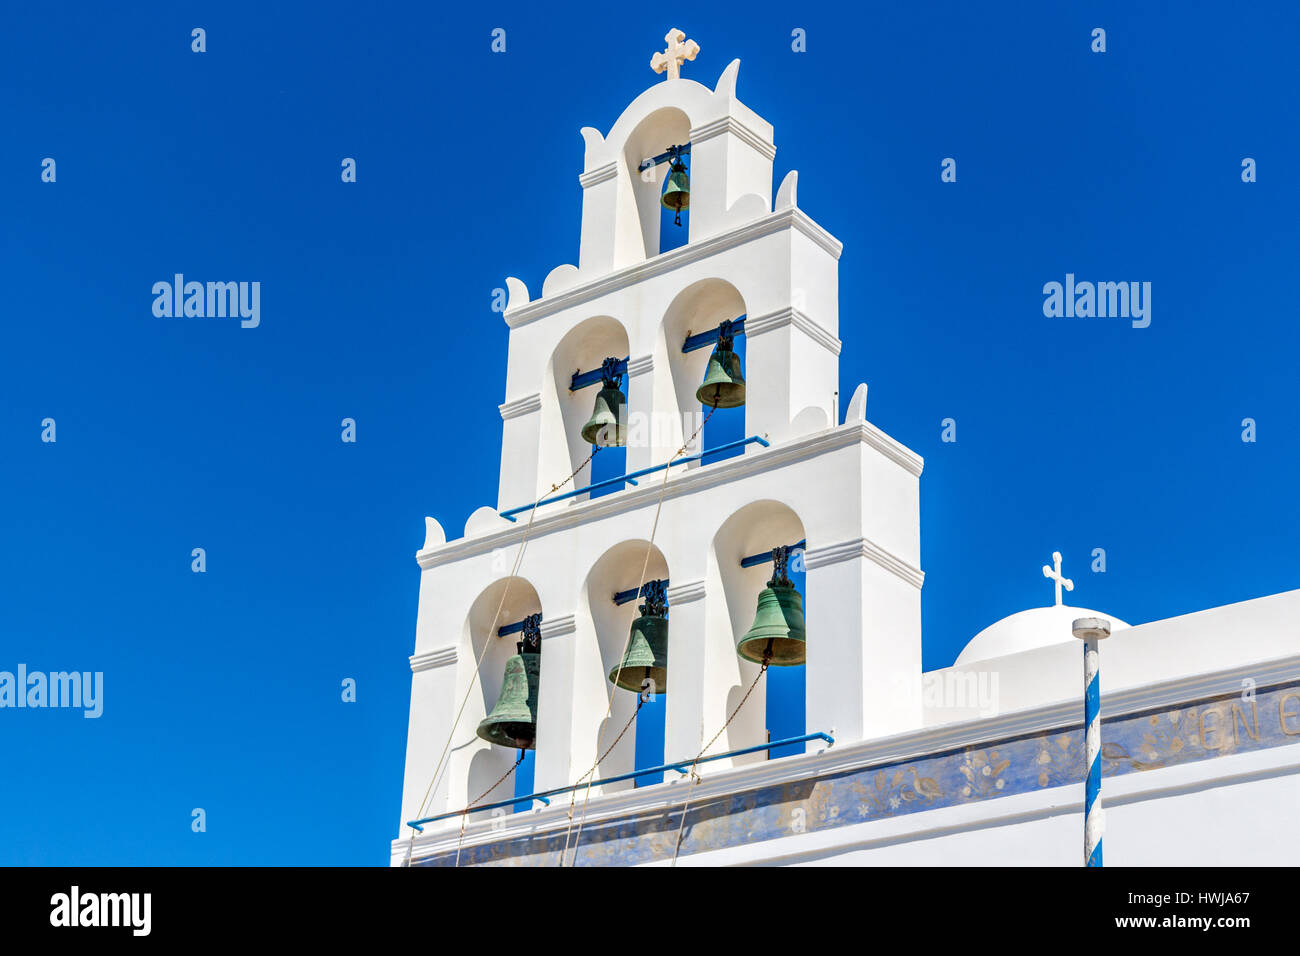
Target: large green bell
(513, 721)
(647, 646)
(777, 636)
(724, 385)
(677, 191)
(607, 426)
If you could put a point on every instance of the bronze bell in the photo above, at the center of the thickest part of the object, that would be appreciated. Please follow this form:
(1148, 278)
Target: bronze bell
(513, 721)
(607, 426)
(646, 658)
(677, 191)
(777, 636)
(723, 385)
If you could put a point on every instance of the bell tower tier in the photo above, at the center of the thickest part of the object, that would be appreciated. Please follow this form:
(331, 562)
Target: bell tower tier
(779, 271)
(681, 550)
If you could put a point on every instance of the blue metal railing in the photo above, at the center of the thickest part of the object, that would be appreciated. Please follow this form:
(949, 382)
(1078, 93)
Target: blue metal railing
(630, 477)
(683, 767)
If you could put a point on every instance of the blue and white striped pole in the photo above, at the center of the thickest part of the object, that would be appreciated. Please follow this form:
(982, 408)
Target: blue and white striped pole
(1090, 630)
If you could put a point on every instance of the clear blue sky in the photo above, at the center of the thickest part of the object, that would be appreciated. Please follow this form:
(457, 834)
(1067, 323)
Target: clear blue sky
(222, 690)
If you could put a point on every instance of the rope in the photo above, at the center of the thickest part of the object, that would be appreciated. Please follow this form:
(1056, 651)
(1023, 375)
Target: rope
(464, 814)
(609, 705)
(573, 796)
(695, 777)
(608, 750)
(469, 690)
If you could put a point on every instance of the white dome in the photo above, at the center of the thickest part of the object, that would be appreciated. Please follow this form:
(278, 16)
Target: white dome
(1026, 630)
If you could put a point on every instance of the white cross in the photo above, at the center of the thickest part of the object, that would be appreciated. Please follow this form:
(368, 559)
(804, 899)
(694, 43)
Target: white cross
(671, 59)
(1048, 572)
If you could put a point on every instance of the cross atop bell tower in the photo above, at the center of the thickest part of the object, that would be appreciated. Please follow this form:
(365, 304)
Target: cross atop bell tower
(671, 59)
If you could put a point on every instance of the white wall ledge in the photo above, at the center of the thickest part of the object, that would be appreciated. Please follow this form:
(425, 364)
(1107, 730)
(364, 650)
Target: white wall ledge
(775, 222)
(520, 406)
(864, 548)
(438, 657)
(683, 482)
(729, 124)
(757, 325)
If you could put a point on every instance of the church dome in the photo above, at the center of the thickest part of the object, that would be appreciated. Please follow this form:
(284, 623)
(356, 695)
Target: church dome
(1026, 630)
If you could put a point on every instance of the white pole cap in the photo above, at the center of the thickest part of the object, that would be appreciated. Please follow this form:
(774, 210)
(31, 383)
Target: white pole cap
(1091, 628)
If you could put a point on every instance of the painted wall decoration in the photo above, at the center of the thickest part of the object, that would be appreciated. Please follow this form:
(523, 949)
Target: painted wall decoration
(1132, 743)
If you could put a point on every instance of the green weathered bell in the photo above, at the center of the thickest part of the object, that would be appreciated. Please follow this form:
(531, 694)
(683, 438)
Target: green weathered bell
(513, 721)
(777, 637)
(677, 191)
(647, 646)
(607, 426)
(724, 385)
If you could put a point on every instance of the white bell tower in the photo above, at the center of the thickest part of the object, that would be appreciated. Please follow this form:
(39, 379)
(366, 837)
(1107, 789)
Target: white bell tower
(843, 486)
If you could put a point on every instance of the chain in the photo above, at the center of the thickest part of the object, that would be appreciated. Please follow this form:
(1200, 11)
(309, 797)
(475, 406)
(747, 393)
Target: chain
(464, 814)
(695, 777)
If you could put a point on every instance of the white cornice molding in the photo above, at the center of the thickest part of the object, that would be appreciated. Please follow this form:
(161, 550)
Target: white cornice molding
(640, 364)
(565, 624)
(520, 406)
(759, 324)
(684, 481)
(863, 548)
(729, 124)
(895, 451)
(679, 594)
(842, 758)
(751, 231)
(599, 174)
(438, 657)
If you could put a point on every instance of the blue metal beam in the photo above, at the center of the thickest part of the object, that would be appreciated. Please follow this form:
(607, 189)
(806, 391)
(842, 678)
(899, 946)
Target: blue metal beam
(631, 477)
(670, 153)
(705, 339)
(765, 557)
(683, 768)
(623, 597)
(587, 379)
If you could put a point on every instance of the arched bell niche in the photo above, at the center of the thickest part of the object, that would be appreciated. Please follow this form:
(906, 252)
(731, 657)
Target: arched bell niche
(700, 307)
(777, 701)
(604, 627)
(561, 446)
(477, 761)
(653, 135)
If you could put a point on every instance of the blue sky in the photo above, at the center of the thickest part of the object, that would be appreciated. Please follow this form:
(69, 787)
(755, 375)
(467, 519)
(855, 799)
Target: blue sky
(222, 689)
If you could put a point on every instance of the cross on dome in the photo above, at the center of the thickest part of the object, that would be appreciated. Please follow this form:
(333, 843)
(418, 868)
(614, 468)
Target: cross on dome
(671, 59)
(1055, 574)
